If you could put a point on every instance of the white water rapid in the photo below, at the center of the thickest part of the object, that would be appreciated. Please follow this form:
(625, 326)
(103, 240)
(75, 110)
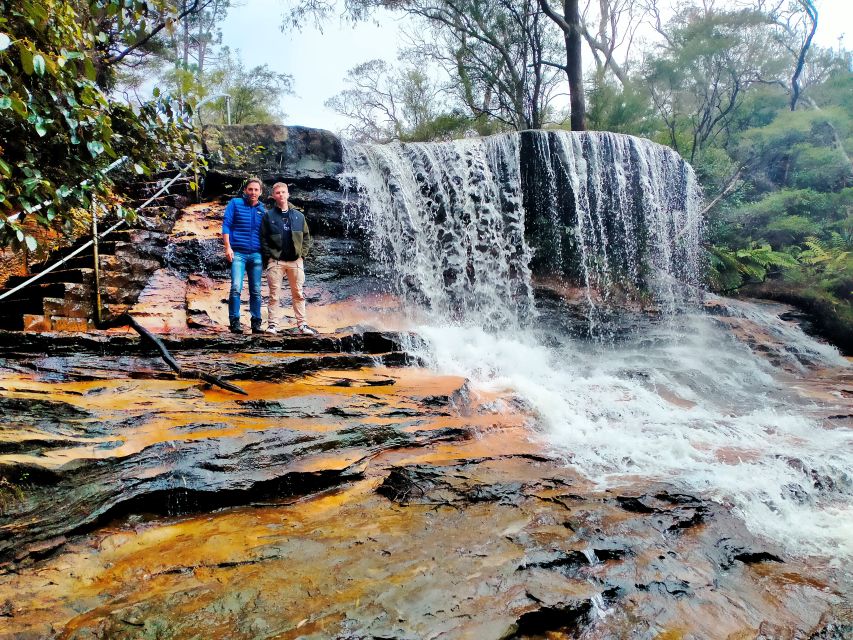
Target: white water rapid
(678, 398)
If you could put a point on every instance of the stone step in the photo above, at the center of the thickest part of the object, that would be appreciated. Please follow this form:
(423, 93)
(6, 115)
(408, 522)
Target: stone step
(68, 308)
(28, 300)
(37, 323)
(60, 275)
(79, 292)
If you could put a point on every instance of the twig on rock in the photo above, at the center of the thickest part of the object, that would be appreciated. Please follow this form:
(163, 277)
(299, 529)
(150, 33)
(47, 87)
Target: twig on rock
(173, 364)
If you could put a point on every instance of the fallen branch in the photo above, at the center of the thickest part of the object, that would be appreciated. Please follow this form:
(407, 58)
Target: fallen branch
(731, 184)
(173, 364)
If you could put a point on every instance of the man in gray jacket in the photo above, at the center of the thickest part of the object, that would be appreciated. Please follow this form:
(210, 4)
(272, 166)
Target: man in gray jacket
(285, 241)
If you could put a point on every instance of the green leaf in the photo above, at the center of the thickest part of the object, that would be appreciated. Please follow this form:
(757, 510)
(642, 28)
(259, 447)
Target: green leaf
(95, 147)
(26, 59)
(31, 243)
(89, 69)
(5, 169)
(38, 64)
(4, 42)
(5, 102)
(18, 106)
(41, 129)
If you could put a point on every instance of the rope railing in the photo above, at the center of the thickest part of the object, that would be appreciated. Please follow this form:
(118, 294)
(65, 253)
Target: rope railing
(88, 244)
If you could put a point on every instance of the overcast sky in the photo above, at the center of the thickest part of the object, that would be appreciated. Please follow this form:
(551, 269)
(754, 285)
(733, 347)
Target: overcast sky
(319, 62)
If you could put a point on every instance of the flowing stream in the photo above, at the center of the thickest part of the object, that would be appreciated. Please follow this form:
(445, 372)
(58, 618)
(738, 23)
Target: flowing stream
(677, 398)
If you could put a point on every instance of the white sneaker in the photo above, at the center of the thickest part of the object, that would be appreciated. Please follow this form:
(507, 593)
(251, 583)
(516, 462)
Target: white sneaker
(305, 330)
(272, 330)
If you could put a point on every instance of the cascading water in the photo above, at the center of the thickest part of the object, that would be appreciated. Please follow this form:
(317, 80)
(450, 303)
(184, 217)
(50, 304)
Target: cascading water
(615, 213)
(683, 402)
(448, 223)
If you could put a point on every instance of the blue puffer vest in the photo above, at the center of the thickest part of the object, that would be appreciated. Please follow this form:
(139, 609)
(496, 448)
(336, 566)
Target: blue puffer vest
(242, 223)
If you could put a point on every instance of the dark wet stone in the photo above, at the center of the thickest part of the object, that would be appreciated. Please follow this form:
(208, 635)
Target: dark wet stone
(670, 511)
(571, 619)
(565, 562)
(196, 256)
(422, 484)
(282, 368)
(674, 588)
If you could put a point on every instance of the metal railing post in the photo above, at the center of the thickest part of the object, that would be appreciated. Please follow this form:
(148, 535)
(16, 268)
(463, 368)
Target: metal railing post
(97, 261)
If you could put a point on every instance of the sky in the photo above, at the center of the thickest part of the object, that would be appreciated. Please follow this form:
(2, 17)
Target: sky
(319, 62)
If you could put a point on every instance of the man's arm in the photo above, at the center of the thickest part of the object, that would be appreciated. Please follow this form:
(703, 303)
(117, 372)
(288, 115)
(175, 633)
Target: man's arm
(265, 243)
(306, 237)
(227, 221)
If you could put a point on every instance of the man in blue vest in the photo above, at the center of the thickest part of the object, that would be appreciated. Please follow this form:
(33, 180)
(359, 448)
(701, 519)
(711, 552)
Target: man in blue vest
(241, 234)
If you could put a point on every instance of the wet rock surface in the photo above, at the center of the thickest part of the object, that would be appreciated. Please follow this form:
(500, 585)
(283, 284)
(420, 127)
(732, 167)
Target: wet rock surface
(421, 545)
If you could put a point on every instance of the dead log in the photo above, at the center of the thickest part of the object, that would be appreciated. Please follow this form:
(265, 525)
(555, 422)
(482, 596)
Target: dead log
(173, 364)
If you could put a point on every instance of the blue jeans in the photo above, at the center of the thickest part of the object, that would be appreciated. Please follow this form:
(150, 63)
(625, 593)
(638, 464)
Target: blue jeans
(242, 264)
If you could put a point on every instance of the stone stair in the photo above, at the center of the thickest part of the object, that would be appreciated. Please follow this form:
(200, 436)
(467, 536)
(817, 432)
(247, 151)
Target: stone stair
(64, 300)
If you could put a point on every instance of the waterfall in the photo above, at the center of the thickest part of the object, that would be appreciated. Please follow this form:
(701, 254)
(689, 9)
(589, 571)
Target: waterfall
(447, 221)
(460, 224)
(616, 213)
(462, 229)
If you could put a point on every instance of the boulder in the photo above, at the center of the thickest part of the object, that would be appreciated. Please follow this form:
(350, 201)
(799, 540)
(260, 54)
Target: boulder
(309, 158)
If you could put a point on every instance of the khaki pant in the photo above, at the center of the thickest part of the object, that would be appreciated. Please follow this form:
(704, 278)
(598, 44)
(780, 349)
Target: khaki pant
(276, 270)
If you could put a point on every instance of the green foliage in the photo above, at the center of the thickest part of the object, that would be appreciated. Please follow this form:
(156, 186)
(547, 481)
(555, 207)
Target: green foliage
(255, 93)
(822, 168)
(58, 126)
(622, 109)
(788, 230)
(826, 265)
(731, 269)
(444, 126)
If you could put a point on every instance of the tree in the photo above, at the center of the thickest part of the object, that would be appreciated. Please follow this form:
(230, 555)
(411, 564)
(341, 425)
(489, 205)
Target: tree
(58, 126)
(795, 23)
(255, 93)
(496, 51)
(570, 24)
(406, 104)
(385, 104)
(126, 32)
(617, 23)
(699, 77)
